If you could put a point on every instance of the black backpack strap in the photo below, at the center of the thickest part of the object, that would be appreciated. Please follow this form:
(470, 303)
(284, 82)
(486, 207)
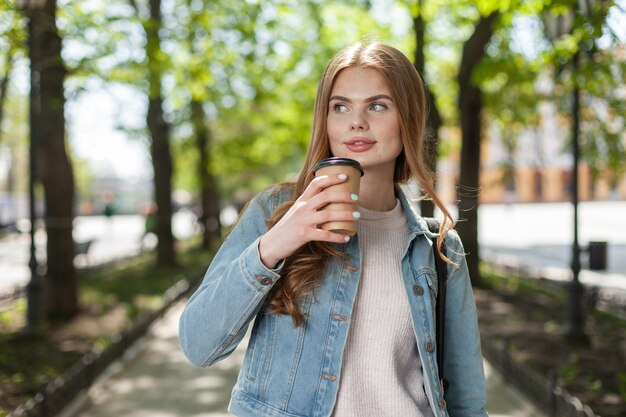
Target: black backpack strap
(440, 315)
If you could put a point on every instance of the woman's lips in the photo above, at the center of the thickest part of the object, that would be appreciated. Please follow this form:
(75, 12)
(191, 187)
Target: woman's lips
(360, 144)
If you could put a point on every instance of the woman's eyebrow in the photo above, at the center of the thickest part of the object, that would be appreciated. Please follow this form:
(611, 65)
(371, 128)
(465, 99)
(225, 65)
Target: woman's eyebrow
(367, 100)
(378, 97)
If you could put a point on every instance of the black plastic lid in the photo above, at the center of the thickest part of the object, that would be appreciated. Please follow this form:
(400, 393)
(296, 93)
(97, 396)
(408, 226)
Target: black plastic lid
(338, 161)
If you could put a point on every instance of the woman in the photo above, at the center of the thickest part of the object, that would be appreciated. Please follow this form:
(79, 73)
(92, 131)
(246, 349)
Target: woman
(344, 326)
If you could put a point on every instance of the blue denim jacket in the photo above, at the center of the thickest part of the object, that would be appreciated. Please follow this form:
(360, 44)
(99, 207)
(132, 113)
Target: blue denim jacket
(295, 371)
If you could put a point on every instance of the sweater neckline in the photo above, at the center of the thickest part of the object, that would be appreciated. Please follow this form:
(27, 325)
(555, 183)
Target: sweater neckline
(383, 219)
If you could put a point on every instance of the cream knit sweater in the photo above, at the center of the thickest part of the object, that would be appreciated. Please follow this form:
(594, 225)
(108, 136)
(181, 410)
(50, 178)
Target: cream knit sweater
(381, 372)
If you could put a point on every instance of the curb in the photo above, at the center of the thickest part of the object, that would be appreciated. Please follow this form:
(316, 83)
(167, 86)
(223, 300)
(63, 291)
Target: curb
(546, 393)
(61, 391)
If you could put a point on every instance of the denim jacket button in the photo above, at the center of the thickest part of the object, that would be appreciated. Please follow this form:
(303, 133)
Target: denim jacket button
(263, 280)
(418, 290)
(430, 347)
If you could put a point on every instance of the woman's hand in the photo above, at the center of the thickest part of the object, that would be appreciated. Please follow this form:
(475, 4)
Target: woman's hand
(300, 224)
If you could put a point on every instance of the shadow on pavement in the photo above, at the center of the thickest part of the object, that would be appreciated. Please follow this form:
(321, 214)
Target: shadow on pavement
(155, 380)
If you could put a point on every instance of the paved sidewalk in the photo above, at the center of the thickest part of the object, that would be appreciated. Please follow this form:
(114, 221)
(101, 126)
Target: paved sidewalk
(155, 380)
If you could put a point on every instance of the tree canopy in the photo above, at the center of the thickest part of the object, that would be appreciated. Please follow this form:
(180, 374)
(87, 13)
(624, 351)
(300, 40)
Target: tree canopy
(254, 67)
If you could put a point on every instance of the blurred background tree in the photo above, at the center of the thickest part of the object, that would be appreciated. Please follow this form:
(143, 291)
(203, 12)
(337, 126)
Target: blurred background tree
(157, 64)
(223, 91)
(59, 297)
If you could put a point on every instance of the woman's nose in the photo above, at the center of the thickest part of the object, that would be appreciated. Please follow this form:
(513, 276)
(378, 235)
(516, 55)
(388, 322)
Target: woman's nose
(359, 122)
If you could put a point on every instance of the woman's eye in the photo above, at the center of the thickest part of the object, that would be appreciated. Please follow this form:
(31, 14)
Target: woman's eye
(340, 108)
(378, 106)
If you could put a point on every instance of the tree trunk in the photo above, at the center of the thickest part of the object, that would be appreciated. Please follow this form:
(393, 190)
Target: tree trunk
(160, 146)
(209, 217)
(162, 164)
(470, 108)
(48, 125)
(431, 140)
(210, 204)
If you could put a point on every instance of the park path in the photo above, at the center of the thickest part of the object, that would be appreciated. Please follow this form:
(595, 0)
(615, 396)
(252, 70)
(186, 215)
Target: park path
(154, 379)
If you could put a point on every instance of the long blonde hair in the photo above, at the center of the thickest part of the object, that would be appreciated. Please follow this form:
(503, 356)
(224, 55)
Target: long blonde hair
(304, 270)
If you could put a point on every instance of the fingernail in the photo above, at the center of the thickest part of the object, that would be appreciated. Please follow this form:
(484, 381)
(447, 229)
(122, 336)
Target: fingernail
(342, 176)
(354, 197)
(347, 238)
(356, 214)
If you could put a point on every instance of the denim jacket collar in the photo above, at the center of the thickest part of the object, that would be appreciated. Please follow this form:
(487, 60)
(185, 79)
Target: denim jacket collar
(416, 223)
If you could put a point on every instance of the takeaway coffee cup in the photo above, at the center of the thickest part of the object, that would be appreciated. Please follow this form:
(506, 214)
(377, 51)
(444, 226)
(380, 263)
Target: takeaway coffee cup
(354, 171)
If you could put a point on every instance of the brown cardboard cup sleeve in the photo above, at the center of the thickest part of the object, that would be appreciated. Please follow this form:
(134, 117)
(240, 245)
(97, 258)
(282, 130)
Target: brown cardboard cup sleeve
(354, 171)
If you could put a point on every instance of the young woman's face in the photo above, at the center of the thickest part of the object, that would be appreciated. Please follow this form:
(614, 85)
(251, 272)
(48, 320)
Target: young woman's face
(363, 120)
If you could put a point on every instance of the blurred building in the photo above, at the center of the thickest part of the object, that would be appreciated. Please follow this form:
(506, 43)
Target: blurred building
(538, 169)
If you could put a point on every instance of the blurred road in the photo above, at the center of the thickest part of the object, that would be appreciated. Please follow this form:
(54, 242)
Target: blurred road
(155, 380)
(540, 236)
(537, 235)
(116, 237)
